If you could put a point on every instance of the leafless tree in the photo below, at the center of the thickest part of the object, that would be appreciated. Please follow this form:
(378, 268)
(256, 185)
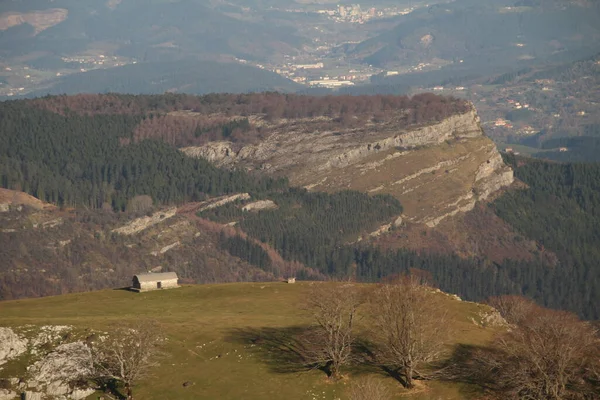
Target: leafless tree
(367, 388)
(329, 343)
(514, 309)
(128, 355)
(409, 327)
(140, 204)
(551, 355)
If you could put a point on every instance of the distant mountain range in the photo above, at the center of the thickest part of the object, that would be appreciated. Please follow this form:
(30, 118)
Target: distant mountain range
(192, 45)
(487, 34)
(150, 30)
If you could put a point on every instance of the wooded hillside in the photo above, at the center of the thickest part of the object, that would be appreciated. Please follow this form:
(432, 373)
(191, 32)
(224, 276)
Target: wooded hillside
(111, 153)
(94, 149)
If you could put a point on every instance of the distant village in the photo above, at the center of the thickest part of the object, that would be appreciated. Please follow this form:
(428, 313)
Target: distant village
(355, 14)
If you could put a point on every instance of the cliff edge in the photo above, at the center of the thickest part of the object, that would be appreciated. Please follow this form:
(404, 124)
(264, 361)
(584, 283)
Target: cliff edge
(436, 170)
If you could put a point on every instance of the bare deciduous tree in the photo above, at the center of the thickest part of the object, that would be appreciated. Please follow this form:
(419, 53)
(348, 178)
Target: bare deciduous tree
(329, 344)
(128, 355)
(551, 355)
(408, 327)
(140, 204)
(368, 388)
(514, 309)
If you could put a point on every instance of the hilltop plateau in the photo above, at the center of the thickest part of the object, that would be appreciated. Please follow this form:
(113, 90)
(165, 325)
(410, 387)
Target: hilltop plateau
(435, 170)
(256, 341)
(220, 339)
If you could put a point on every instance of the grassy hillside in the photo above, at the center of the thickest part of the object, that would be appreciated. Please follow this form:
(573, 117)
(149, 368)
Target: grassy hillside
(220, 337)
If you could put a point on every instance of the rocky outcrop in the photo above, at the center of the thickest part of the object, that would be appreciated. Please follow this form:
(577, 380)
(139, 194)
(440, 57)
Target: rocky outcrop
(6, 394)
(436, 170)
(55, 367)
(66, 364)
(221, 201)
(260, 205)
(217, 152)
(143, 223)
(325, 150)
(166, 248)
(11, 345)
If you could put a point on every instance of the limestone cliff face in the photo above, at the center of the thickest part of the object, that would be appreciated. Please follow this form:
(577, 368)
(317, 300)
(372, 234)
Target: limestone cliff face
(436, 170)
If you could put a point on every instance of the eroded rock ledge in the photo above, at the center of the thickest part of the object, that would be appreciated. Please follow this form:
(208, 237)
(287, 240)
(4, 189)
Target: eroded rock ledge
(436, 170)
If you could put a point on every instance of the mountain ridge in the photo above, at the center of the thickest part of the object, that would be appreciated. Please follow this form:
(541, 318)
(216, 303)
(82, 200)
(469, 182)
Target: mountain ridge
(381, 161)
(110, 161)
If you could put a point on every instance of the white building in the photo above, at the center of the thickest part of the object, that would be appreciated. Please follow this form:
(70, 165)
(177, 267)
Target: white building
(154, 281)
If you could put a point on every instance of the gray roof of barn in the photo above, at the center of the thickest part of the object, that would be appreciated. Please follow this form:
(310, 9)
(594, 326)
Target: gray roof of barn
(154, 277)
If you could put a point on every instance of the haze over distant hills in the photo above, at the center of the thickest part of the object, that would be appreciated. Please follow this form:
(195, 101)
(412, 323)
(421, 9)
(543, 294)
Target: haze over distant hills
(484, 33)
(42, 41)
(148, 30)
(186, 76)
(55, 37)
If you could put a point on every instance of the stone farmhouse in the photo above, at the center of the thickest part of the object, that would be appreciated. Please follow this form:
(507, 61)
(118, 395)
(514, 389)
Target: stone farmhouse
(154, 281)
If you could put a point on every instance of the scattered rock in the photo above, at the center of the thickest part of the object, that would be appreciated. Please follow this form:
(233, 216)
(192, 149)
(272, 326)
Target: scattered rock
(165, 249)
(47, 335)
(260, 205)
(79, 394)
(221, 201)
(28, 395)
(382, 229)
(143, 223)
(187, 383)
(492, 318)
(6, 394)
(53, 223)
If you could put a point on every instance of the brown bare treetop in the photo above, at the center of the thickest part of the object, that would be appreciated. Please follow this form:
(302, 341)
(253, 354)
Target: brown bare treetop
(549, 355)
(514, 309)
(329, 343)
(128, 355)
(409, 327)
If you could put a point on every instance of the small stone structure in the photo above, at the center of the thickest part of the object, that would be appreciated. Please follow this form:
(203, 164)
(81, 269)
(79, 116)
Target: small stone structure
(154, 281)
(291, 280)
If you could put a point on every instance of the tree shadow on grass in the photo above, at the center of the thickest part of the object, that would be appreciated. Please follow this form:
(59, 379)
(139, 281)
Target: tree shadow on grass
(281, 349)
(110, 388)
(465, 367)
(127, 289)
(367, 362)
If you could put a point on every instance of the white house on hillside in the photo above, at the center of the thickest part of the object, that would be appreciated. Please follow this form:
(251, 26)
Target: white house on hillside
(154, 281)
